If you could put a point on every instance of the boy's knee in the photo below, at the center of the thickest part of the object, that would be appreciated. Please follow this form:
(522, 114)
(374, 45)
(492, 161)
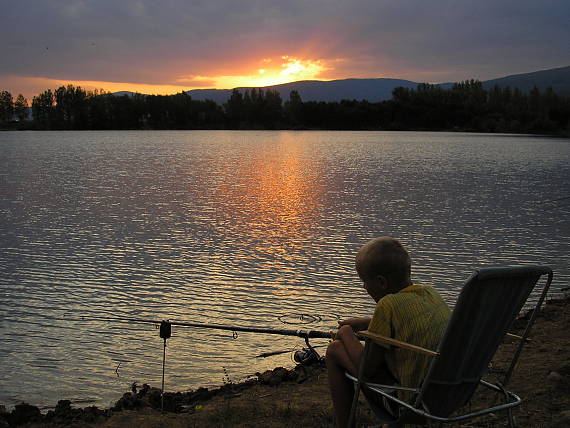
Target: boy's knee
(333, 350)
(345, 331)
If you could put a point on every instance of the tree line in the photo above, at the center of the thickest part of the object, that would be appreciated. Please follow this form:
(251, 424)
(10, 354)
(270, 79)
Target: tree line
(466, 106)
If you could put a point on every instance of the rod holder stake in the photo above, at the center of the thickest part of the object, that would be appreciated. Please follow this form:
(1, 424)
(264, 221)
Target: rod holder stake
(165, 333)
(165, 329)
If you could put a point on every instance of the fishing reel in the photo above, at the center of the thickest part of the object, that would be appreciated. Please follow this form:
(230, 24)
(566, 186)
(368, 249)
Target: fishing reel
(308, 355)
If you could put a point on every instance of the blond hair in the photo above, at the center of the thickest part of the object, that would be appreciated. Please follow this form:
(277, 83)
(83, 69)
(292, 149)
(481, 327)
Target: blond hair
(384, 256)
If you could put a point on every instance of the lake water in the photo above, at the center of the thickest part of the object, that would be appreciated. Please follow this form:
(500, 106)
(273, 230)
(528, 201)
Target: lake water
(241, 228)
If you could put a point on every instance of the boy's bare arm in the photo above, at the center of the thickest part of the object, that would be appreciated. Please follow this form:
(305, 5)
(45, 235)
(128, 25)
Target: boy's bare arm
(354, 350)
(357, 324)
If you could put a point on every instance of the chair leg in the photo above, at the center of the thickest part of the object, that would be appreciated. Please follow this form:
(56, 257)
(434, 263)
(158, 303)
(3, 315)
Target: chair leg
(511, 419)
(353, 416)
(354, 408)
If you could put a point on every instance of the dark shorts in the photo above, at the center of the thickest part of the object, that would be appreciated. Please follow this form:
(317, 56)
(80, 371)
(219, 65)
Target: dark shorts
(380, 404)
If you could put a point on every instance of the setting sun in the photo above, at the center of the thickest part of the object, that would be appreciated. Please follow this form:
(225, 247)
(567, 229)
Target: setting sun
(276, 71)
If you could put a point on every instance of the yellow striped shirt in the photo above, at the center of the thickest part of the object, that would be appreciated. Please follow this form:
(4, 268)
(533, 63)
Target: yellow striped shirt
(417, 315)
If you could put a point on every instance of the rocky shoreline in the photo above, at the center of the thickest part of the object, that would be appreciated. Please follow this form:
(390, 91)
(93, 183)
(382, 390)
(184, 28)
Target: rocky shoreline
(279, 397)
(147, 397)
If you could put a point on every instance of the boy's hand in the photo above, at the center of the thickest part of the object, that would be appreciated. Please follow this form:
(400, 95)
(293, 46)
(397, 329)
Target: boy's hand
(357, 324)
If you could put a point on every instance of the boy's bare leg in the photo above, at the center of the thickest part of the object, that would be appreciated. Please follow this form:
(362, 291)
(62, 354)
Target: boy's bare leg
(343, 354)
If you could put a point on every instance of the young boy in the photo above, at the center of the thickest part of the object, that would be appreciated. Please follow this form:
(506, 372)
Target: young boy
(406, 312)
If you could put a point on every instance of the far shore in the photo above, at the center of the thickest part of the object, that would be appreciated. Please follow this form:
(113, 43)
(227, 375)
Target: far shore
(559, 134)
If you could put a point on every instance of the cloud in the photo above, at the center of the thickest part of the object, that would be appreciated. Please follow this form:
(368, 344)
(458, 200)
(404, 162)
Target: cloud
(164, 43)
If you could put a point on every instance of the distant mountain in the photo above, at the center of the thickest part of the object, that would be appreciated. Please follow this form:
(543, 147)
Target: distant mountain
(374, 90)
(218, 95)
(556, 78)
(123, 93)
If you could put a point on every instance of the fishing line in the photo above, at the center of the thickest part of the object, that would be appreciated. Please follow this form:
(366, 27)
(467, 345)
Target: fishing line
(296, 318)
(299, 318)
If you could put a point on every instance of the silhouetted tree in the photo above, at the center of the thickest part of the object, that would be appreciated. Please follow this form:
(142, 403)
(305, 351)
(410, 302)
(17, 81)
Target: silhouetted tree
(271, 107)
(6, 106)
(235, 109)
(70, 107)
(42, 109)
(21, 108)
(293, 108)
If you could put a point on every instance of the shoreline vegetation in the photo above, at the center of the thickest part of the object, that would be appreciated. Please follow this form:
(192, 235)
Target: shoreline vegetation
(300, 397)
(466, 107)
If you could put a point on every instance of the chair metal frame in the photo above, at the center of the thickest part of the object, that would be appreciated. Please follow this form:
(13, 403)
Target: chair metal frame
(418, 412)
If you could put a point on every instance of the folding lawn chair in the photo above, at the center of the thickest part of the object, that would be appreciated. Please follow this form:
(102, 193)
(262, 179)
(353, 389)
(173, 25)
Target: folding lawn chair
(490, 301)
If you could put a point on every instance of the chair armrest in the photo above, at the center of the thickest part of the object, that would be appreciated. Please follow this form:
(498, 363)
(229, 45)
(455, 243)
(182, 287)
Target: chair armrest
(388, 340)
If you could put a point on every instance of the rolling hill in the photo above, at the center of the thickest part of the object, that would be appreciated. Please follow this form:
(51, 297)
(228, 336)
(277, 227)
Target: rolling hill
(556, 78)
(374, 90)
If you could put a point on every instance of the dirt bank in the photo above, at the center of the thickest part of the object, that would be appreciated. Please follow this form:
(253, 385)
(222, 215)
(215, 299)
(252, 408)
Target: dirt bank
(300, 397)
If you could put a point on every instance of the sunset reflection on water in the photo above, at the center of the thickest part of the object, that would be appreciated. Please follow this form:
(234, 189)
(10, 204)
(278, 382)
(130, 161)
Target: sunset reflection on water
(273, 199)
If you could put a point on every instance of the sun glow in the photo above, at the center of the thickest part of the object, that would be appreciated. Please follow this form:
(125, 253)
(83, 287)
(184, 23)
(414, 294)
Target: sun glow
(32, 86)
(274, 72)
(267, 72)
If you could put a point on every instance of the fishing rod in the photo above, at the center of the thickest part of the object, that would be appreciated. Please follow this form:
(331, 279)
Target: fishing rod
(305, 334)
(166, 326)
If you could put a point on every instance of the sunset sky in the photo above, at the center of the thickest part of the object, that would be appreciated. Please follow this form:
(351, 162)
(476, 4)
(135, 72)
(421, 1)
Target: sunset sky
(166, 46)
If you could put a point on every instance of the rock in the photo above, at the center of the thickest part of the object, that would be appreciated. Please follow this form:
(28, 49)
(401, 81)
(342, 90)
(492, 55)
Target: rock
(4, 417)
(264, 377)
(63, 406)
(274, 377)
(63, 413)
(144, 390)
(172, 401)
(554, 377)
(93, 414)
(24, 413)
(201, 394)
(154, 398)
(559, 381)
(129, 401)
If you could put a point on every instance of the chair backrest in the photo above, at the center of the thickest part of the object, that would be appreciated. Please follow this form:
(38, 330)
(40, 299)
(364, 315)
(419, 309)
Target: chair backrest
(489, 302)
